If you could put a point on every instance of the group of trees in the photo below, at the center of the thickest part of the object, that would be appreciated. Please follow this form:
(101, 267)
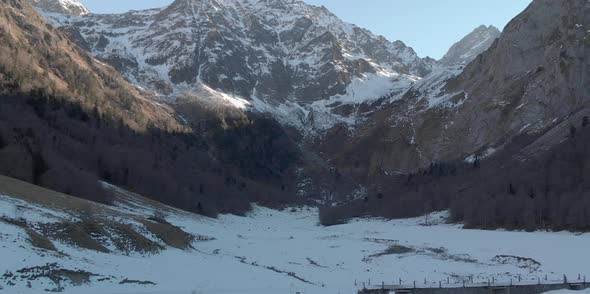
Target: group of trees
(549, 190)
(55, 143)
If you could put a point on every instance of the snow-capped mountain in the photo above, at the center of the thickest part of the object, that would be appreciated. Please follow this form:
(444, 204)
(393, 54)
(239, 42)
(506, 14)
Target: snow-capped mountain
(280, 55)
(531, 80)
(475, 43)
(68, 7)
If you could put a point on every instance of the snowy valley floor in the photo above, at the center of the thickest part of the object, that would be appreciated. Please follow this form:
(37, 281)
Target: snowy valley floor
(288, 252)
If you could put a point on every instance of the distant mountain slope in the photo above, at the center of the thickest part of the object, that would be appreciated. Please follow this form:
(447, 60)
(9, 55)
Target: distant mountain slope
(475, 43)
(503, 143)
(277, 50)
(69, 7)
(285, 57)
(533, 76)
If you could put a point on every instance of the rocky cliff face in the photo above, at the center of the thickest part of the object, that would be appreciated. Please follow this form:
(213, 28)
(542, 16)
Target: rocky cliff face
(67, 7)
(532, 78)
(468, 48)
(281, 56)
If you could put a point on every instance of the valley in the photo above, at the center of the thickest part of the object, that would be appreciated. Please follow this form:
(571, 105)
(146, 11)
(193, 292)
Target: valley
(269, 146)
(271, 251)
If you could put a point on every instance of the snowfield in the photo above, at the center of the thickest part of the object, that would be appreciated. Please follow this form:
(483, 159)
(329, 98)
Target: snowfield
(569, 292)
(287, 251)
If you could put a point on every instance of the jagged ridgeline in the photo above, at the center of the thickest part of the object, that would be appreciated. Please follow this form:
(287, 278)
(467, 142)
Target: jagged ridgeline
(503, 143)
(68, 121)
(283, 57)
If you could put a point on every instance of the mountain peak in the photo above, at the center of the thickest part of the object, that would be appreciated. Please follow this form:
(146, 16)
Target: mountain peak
(68, 7)
(475, 43)
(276, 52)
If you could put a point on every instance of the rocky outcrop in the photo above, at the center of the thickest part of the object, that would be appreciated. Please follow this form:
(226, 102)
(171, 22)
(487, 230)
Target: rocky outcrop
(278, 55)
(532, 78)
(67, 7)
(475, 43)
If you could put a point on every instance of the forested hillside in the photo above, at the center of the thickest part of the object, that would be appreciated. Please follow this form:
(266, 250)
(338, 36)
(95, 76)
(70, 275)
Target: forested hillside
(68, 121)
(516, 188)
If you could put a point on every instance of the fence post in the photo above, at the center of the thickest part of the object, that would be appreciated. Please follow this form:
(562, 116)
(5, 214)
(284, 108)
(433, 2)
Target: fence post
(369, 281)
(564, 279)
(364, 286)
(383, 285)
(440, 284)
(463, 283)
(414, 284)
(538, 280)
(355, 282)
(425, 281)
(519, 278)
(448, 280)
(400, 281)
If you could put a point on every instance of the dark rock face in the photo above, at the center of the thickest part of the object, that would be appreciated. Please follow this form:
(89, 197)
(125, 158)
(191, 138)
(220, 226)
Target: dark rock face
(274, 50)
(475, 43)
(68, 7)
(534, 76)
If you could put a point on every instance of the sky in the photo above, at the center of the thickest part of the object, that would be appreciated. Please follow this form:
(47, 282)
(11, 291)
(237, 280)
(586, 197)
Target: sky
(428, 26)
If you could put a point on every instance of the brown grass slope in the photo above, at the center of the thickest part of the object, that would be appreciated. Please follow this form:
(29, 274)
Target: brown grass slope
(36, 57)
(94, 219)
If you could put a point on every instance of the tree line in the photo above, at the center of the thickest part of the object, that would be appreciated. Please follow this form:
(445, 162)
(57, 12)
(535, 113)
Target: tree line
(549, 191)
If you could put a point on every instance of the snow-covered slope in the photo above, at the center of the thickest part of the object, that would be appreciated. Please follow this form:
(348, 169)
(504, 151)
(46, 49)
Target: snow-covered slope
(268, 251)
(299, 62)
(276, 54)
(475, 43)
(68, 7)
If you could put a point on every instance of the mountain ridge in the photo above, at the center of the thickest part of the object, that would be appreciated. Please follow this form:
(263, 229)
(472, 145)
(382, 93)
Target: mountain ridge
(530, 78)
(473, 44)
(284, 55)
(68, 7)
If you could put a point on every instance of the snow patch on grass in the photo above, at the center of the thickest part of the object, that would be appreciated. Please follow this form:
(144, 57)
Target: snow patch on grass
(271, 251)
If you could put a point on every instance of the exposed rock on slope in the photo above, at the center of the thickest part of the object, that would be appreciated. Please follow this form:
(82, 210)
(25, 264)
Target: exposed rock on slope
(68, 7)
(533, 76)
(277, 55)
(278, 49)
(34, 56)
(475, 43)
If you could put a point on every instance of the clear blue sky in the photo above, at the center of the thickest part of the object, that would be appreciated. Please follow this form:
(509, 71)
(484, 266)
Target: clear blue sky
(429, 26)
